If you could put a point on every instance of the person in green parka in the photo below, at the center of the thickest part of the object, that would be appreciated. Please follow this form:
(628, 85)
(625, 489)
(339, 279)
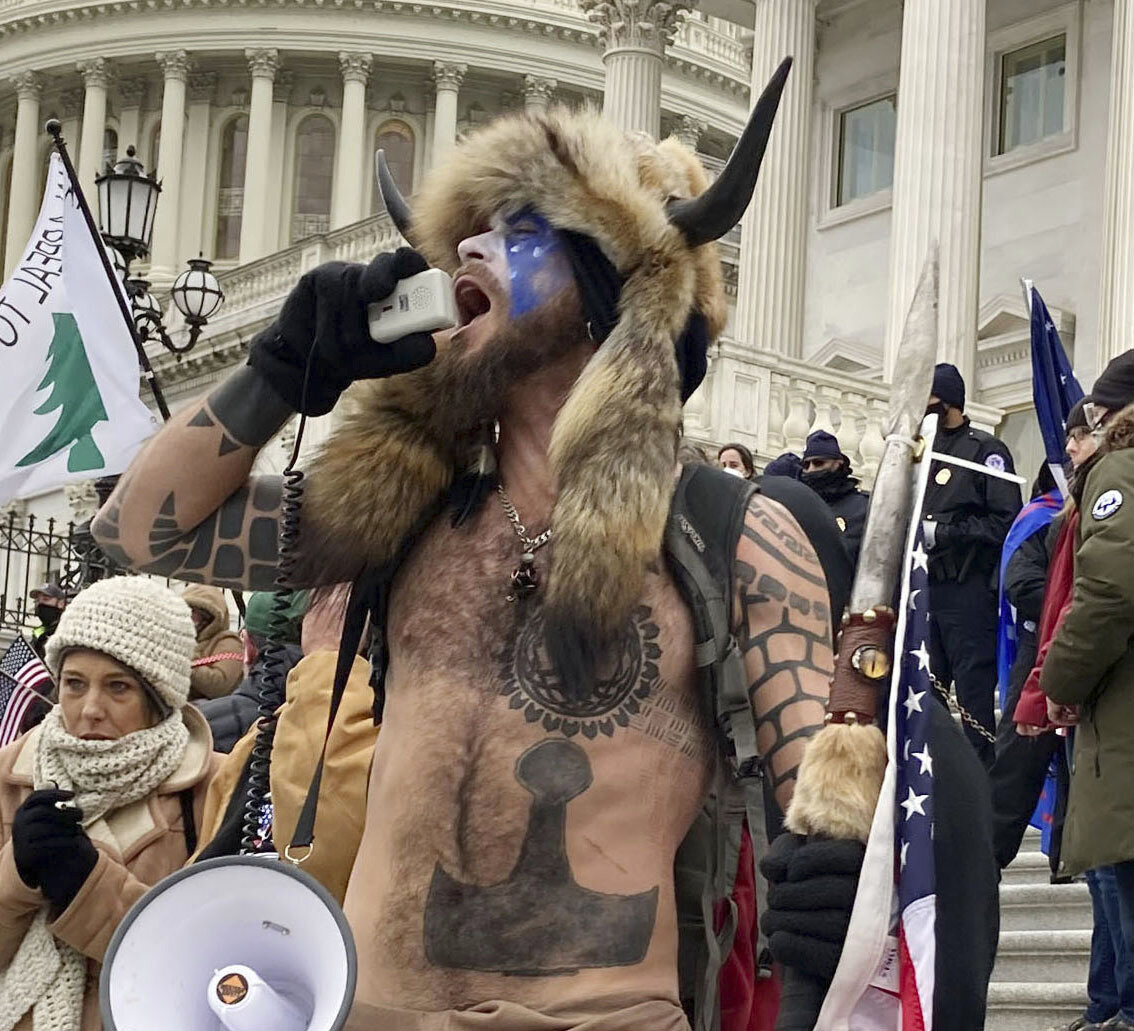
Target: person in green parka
(1088, 675)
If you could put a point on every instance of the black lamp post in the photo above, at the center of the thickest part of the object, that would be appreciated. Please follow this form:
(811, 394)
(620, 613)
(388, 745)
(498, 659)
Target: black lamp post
(127, 200)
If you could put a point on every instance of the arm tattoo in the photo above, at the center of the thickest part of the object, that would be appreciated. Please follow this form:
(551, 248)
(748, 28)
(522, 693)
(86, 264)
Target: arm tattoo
(782, 626)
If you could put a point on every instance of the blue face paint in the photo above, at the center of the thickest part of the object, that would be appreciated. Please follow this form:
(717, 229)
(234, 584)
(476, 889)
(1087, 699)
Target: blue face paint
(537, 266)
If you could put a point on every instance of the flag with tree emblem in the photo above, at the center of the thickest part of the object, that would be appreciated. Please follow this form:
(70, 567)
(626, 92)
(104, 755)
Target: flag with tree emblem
(68, 361)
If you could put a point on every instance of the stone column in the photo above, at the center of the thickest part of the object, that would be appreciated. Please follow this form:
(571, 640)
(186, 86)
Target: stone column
(538, 93)
(164, 259)
(70, 113)
(634, 35)
(277, 225)
(192, 234)
(131, 93)
(447, 78)
(346, 205)
(938, 173)
(263, 65)
(23, 204)
(773, 245)
(1116, 316)
(690, 130)
(96, 79)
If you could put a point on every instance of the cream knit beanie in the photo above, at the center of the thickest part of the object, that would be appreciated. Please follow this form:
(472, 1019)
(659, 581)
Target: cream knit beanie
(137, 621)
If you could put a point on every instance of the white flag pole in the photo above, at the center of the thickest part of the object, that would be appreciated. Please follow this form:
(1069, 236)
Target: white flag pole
(55, 130)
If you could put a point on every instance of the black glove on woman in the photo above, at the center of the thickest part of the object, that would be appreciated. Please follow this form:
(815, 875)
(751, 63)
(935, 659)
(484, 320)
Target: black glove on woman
(50, 847)
(326, 312)
(811, 889)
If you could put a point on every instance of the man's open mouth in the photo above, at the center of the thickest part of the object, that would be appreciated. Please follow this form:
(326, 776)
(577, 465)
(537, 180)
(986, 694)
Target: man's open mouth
(472, 301)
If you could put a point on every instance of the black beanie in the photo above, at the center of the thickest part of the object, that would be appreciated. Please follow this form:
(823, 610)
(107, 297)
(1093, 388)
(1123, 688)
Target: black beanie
(948, 385)
(822, 444)
(1077, 416)
(1114, 389)
(600, 287)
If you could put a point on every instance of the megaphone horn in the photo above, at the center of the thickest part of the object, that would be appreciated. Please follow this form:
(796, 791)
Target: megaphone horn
(242, 943)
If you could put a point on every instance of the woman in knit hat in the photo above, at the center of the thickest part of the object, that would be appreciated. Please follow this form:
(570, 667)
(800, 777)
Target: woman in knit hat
(100, 801)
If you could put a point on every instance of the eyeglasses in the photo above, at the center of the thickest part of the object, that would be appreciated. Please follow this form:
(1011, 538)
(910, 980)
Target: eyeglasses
(1078, 434)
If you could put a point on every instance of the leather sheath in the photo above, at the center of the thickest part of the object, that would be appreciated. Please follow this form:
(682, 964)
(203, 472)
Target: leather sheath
(852, 691)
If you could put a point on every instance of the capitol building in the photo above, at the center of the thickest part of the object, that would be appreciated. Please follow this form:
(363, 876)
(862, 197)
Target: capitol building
(1002, 130)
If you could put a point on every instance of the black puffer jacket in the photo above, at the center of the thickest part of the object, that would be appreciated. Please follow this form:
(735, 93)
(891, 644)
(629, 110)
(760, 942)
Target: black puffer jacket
(231, 716)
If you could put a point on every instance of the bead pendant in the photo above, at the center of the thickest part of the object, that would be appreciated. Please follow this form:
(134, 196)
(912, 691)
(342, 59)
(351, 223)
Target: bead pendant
(525, 578)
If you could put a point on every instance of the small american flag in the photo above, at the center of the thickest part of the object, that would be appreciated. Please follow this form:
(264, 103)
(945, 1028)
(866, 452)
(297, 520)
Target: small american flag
(24, 680)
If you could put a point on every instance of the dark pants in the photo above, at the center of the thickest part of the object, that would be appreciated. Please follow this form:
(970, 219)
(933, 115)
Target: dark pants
(1110, 981)
(962, 647)
(1017, 775)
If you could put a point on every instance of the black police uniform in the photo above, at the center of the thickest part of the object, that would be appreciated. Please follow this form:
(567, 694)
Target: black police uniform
(973, 513)
(849, 506)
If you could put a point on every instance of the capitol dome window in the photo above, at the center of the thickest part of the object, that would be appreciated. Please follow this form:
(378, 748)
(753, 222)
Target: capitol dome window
(396, 139)
(230, 188)
(314, 171)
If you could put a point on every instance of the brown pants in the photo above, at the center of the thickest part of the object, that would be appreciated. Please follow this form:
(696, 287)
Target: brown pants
(507, 1016)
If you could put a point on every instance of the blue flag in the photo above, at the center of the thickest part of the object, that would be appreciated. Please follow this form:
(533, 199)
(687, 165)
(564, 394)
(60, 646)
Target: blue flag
(1054, 387)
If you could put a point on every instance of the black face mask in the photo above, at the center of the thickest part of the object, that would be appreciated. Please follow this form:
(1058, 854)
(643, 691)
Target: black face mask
(48, 615)
(826, 481)
(939, 409)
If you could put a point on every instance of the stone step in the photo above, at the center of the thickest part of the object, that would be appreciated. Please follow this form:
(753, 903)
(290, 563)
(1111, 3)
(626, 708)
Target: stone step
(1027, 868)
(1031, 843)
(1042, 956)
(1050, 907)
(1028, 1006)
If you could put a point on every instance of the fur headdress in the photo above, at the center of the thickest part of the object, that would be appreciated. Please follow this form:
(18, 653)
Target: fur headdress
(613, 446)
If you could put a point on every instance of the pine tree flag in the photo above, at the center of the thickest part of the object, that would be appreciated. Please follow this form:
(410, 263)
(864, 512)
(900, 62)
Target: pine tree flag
(69, 367)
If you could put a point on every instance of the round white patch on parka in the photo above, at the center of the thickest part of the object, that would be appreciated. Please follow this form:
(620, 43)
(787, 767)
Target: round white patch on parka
(1109, 502)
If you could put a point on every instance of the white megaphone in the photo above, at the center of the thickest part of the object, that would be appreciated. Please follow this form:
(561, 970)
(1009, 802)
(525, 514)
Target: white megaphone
(241, 943)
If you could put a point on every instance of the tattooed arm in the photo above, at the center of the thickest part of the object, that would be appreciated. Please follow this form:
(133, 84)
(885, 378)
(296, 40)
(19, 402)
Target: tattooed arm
(782, 623)
(188, 507)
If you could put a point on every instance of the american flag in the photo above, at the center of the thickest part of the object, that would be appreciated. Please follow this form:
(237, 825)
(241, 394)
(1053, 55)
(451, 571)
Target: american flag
(885, 979)
(917, 901)
(24, 680)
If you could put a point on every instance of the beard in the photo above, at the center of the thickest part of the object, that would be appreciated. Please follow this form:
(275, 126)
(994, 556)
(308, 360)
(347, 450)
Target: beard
(472, 387)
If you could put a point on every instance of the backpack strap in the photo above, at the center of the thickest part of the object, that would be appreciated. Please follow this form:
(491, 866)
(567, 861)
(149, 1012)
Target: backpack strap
(706, 519)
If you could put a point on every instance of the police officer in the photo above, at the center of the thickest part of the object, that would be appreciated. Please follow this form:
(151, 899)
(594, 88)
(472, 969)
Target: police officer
(966, 518)
(827, 471)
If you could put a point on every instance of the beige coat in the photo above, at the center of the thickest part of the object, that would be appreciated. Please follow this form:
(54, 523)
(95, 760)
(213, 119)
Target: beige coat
(138, 845)
(219, 677)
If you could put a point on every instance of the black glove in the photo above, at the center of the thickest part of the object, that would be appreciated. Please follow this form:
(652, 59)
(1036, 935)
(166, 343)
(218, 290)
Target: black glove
(811, 889)
(326, 312)
(50, 847)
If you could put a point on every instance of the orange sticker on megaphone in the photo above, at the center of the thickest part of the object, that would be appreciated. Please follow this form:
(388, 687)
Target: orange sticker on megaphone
(232, 989)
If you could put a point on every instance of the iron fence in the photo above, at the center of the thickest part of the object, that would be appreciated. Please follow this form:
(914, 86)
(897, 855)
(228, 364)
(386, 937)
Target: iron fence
(36, 551)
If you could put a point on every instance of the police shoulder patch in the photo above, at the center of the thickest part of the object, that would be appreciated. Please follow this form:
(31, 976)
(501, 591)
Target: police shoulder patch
(995, 461)
(1108, 502)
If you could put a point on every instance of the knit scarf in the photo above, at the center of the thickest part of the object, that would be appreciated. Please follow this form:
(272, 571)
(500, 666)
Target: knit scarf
(48, 976)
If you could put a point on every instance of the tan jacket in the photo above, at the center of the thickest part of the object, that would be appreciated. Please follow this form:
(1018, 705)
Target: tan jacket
(218, 678)
(298, 742)
(138, 845)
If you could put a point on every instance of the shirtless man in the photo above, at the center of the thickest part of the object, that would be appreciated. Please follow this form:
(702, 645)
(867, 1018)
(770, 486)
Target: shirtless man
(516, 869)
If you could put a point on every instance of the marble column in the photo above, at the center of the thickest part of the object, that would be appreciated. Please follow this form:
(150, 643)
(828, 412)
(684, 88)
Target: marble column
(23, 203)
(538, 93)
(192, 234)
(263, 65)
(346, 205)
(277, 227)
(634, 35)
(164, 258)
(447, 78)
(96, 79)
(1116, 316)
(773, 244)
(131, 93)
(938, 173)
(70, 115)
(690, 130)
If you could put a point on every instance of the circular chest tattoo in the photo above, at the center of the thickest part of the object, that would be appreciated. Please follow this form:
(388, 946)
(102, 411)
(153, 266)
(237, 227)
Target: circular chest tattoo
(626, 675)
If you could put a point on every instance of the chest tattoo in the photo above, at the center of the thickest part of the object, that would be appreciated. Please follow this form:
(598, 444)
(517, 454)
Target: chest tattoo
(625, 679)
(539, 921)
